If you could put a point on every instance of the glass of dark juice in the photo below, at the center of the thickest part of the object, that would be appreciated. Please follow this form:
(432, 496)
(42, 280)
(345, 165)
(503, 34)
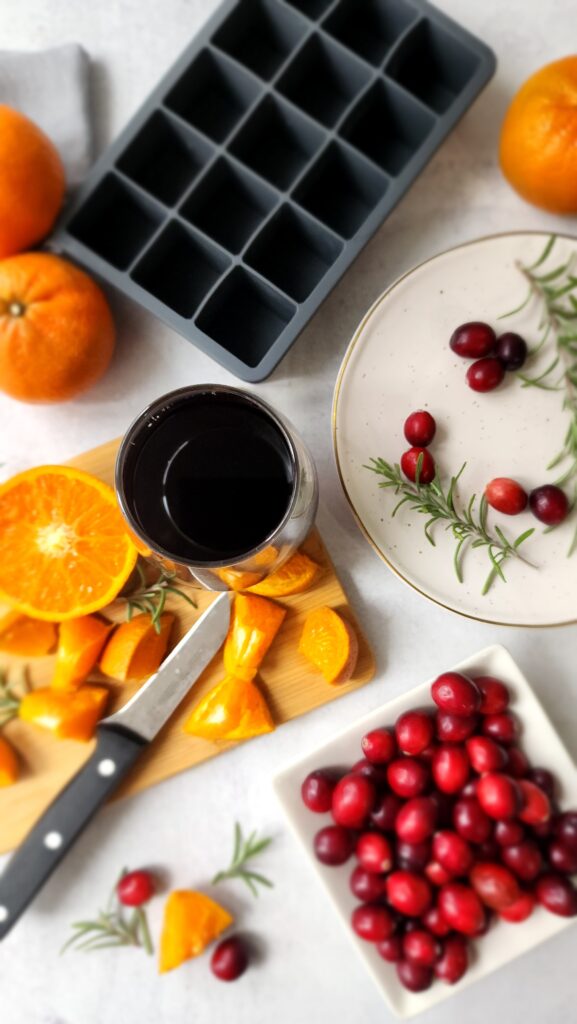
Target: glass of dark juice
(217, 484)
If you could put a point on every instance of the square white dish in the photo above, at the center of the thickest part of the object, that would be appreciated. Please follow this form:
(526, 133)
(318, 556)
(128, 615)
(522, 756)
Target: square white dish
(504, 942)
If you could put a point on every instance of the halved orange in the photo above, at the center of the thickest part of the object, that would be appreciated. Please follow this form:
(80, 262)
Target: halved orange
(64, 548)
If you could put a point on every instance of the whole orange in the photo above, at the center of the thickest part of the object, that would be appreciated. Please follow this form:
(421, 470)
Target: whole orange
(538, 149)
(31, 183)
(56, 329)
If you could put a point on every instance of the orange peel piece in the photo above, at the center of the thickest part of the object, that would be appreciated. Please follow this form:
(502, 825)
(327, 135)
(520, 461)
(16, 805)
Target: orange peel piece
(191, 922)
(330, 644)
(294, 577)
(135, 650)
(234, 709)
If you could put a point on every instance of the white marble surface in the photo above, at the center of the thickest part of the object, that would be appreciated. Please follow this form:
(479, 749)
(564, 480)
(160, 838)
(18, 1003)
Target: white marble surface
(307, 970)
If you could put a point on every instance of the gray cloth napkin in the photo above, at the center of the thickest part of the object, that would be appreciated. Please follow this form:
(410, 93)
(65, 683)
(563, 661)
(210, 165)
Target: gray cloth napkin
(51, 87)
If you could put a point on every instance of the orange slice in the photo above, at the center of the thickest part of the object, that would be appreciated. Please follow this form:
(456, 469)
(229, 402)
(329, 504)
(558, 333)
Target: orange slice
(330, 644)
(135, 650)
(293, 577)
(64, 549)
(8, 764)
(235, 579)
(191, 922)
(233, 710)
(25, 637)
(70, 716)
(80, 641)
(255, 623)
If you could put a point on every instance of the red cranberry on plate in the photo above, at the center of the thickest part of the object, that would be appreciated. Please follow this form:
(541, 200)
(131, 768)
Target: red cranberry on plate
(473, 340)
(470, 820)
(408, 777)
(450, 768)
(421, 947)
(494, 695)
(414, 731)
(485, 755)
(413, 856)
(456, 694)
(454, 728)
(375, 773)
(434, 921)
(509, 833)
(374, 852)
(511, 349)
(333, 845)
(485, 375)
(506, 496)
(391, 949)
(414, 977)
(462, 908)
(494, 884)
(372, 922)
(524, 859)
(518, 763)
(416, 819)
(412, 459)
(229, 960)
(549, 504)
(419, 428)
(565, 829)
(536, 808)
(366, 886)
(353, 800)
(452, 852)
(317, 791)
(557, 894)
(499, 795)
(502, 727)
(543, 778)
(520, 910)
(379, 746)
(384, 813)
(408, 893)
(454, 960)
(562, 858)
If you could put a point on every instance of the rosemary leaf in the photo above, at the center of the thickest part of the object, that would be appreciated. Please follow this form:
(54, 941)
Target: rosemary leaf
(150, 598)
(243, 851)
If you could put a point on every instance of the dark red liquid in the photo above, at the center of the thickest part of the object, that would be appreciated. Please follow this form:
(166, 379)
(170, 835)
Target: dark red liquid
(210, 478)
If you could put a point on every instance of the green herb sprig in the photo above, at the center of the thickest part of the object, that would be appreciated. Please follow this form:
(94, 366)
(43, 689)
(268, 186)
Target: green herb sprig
(244, 850)
(10, 697)
(467, 524)
(150, 598)
(112, 927)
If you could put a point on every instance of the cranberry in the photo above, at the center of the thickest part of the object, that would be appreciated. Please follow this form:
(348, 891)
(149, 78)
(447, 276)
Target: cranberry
(520, 910)
(414, 977)
(470, 820)
(450, 768)
(317, 791)
(502, 727)
(421, 947)
(557, 894)
(536, 807)
(473, 340)
(444, 802)
(412, 459)
(434, 921)
(379, 746)
(461, 908)
(452, 852)
(509, 833)
(437, 874)
(414, 731)
(498, 795)
(408, 893)
(391, 949)
(385, 812)
(549, 504)
(229, 960)
(494, 884)
(407, 777)
(485, 375)
(565, 829)
(416, 820)
(374, 852)
(456, 694)
(413, 856)
(562, 857)
(366, 886)
(518, 763)
(428, 752)
(494, 695)
(543, 778)
(135, 888)
(372, 922)
(454, 960)
(506, 496)
(452, 729)
(489, 850)
(524, 859)
(485, 755)
(353, 800)
(419, 428)
(470, 789)
(375, 773)
(544, 830)
(511, 350)
(333, 845)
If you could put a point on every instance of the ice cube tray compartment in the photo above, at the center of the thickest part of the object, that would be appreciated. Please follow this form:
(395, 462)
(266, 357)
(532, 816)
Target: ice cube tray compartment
(271, 151)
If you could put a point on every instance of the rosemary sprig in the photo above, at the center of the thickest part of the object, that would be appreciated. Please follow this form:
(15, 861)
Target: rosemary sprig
(10, 697)
(467, 524)
(244, 850)
(150, 598)
(112, 927)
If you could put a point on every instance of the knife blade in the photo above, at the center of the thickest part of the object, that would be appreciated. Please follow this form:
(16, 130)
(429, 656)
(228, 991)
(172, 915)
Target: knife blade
(121, 739)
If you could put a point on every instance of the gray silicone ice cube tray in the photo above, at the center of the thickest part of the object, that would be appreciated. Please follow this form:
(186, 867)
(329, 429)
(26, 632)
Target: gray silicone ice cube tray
(265, 159)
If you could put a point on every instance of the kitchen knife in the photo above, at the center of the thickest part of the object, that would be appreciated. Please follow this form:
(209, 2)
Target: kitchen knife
(121, 739)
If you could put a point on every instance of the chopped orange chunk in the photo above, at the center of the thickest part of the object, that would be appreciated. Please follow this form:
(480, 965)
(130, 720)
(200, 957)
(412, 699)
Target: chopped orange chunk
(330, 643)
(70, 716)
(135, 650)
(254, 625)
(191, 922)
(234, 709)
(25, 637)
(293, 577)
(80, 642)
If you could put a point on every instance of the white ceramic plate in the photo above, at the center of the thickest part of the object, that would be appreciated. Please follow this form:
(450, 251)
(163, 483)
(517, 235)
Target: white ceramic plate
(504, 941)
(399, 360)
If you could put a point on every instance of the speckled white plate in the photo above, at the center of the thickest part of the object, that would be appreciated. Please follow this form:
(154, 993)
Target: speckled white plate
(504, 942)
(399, 360)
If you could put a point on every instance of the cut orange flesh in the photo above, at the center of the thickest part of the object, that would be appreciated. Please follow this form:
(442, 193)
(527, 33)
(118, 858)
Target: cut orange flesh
(135, 650)
(293, 577)
(25, 637)
(191, 922)
(330, 644)
(254, 625)
(69, 716)
(234, 709)
(80, 641)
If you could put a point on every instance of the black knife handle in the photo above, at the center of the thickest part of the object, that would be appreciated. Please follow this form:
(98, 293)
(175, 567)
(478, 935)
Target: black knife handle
(61, 824)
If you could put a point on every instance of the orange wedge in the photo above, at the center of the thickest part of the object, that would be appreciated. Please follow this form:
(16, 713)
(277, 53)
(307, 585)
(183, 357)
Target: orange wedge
(64, 549)
(70, 716)
(80, 642)
(293, 577)
(135, 650)
(25, 637)
(191, 922)
(255, 623)
(330, 644)
(8, 764)
(233, 710)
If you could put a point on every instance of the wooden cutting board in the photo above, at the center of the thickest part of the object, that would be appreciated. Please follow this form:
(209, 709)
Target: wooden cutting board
(291, 686)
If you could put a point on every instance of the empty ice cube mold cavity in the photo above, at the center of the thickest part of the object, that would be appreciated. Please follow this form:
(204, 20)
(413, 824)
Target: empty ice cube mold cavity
(276, 142)
(245, 316)
(322, 80)
(180, 268)
(260, 34)
(164, 157)
(341, 190)
(312, 8)
(388, 126)
(370, 27)
(433, 65)
(228, 204)
(115, 222)
(212, 94)
(293, 252)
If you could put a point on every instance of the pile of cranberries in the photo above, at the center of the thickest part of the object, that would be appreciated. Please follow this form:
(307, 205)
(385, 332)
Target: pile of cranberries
(493, 355)
(449, 826)
(419, 430)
